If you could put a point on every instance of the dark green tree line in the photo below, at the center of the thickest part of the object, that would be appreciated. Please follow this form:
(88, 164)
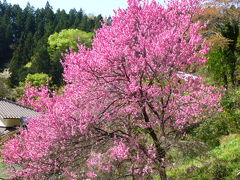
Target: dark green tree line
(24, 37)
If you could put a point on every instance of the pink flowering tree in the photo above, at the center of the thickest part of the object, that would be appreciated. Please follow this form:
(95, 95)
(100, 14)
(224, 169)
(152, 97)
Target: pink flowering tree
(127, 100)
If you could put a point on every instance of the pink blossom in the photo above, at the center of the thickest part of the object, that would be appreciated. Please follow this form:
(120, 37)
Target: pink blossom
(124, 99)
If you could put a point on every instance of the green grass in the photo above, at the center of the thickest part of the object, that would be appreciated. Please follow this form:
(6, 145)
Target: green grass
(221, 163)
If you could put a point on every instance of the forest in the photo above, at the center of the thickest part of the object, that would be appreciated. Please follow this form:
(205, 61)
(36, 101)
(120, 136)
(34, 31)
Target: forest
(24, 34)
(150, 93)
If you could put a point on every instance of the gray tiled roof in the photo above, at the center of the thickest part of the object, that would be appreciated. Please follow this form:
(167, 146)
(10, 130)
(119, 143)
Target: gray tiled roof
(9, 109)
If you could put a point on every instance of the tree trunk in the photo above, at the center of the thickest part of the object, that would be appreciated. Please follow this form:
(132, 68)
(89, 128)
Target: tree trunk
(163, 173)
(161, 153)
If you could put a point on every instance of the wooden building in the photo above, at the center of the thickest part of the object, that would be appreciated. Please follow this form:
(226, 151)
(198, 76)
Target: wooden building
(12, 115)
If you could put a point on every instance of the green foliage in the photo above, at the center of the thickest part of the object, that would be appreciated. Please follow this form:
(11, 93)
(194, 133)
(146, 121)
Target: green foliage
(210, 130)
(61, 42)
(226, 122)
(37, 79)
(28, 65)
(5, 91)
(231, 105)
(220, 170)
(222, 163)
(223, 61)
(216, 66)
(222, 66)
(24, 34)
(40, 59)
(68, 38)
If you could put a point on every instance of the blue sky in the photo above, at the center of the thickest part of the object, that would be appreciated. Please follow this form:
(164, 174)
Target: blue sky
(104, 7)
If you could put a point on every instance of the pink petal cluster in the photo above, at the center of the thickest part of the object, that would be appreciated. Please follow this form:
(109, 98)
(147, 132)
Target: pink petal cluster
(38, 98)
(119, 152)
(124, 98)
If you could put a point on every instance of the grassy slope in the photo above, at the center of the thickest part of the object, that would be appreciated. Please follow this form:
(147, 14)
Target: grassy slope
(222, 163)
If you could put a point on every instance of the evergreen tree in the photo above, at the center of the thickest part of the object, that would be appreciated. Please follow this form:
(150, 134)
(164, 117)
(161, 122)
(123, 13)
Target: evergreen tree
(16, 66)
(18, 23)
(84, 24)
(24, 34)
(29, 25)
(5, 35)
(61, 20)
(72, 17)
(98, 21)
(78, 19)
(48, 19)
(41, 59)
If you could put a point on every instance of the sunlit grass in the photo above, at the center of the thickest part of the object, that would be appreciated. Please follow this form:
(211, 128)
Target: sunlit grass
(223, 163)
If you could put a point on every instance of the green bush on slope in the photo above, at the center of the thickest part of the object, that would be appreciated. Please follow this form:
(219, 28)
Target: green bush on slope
(221, 163)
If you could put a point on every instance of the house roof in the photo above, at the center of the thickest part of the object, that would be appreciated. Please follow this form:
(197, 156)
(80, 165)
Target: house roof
(11, 110)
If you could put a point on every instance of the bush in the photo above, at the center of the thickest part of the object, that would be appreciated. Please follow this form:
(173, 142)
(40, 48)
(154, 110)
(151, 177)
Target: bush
(220, 170)
(227, 122)
(210, 130)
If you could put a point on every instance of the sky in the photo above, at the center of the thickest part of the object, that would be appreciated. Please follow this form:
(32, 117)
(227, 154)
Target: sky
(95, 7)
